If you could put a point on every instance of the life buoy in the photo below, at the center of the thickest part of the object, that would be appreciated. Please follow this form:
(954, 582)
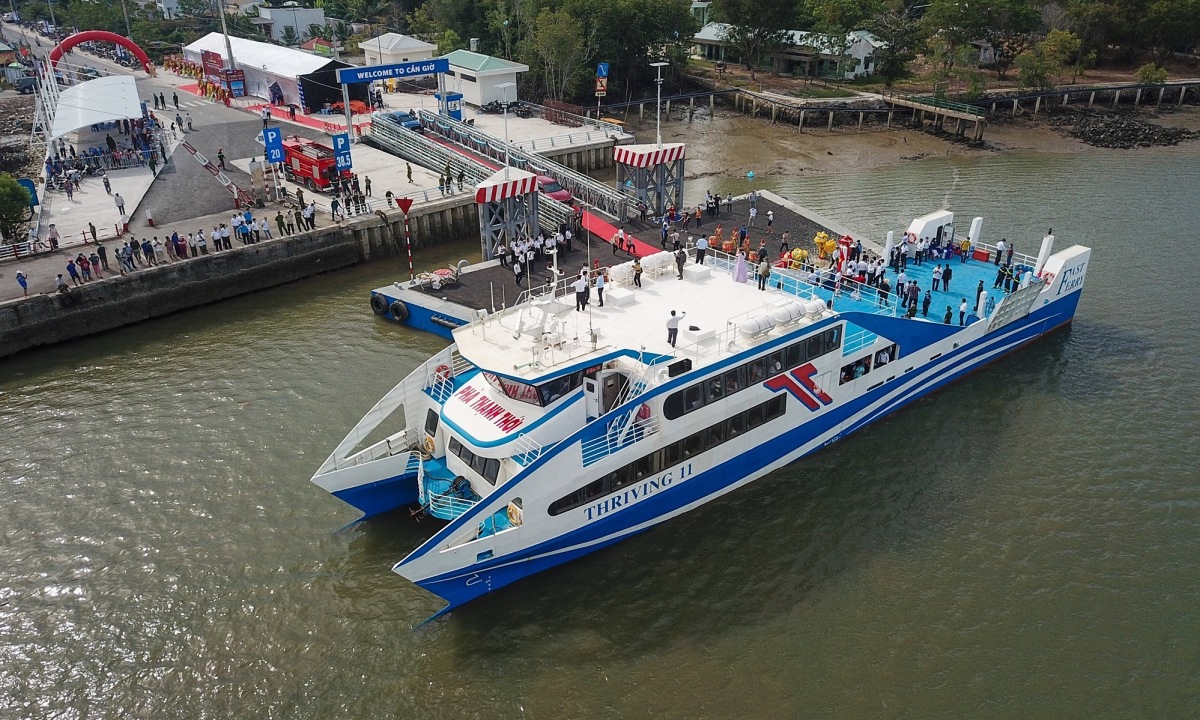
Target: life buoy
(643, 412)
(429, 445)
(378, 304)
(1048, 277)
(399, 310)
(516, 515)
(442, 372)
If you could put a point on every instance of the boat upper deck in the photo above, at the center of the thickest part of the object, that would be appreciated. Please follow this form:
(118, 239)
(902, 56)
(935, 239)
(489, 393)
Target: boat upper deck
(545, 334)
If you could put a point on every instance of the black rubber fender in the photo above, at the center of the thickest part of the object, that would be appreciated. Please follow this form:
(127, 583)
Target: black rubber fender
(378, 305)
(399, 310)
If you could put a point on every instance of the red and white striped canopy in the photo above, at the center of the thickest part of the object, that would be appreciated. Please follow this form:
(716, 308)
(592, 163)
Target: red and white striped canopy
(648, 155)
(500, 187)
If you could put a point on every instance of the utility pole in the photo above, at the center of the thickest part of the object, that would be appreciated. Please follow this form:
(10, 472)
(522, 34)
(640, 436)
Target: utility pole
(658, 107)
(52, 20)
(125, 12)
(225, 32)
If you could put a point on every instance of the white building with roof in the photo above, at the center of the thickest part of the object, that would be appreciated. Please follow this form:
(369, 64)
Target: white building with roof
(392, 48)
(479, 76)
(274, 19)
(807, 53)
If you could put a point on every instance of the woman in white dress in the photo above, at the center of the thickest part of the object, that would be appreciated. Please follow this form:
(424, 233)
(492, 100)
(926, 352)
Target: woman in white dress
(740, 270)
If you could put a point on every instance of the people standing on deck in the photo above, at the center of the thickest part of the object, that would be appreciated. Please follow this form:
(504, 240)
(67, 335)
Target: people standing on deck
(1011, 246)
(680, 260)
(962, 312)
(764, 272)
(937, 277)
(946, 275)
(673, 327)
(581, 292)
(1000, 272)
(637, 273)
(883, 291)
(600, 287)
(925, 304)
(1000, 246)
(979, 292)
(701, 248)
(912, 294)
(901, 288)
(949, 315)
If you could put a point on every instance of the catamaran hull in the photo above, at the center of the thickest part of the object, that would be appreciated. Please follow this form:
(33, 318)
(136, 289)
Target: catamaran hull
(461, 585)
(375, 498)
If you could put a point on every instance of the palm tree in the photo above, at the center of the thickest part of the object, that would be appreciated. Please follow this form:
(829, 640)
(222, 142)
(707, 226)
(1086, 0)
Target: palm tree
(288, 37)
(368, 11)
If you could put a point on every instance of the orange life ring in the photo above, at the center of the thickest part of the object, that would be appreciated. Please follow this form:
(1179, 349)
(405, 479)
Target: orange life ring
(429, 445)
(1048, 277)
(643, 412)
(442, 372)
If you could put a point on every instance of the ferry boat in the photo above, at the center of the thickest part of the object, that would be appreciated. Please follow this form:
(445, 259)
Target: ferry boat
(543, 432)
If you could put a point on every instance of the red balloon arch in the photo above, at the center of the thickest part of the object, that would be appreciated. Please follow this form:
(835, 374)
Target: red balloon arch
(101, 36)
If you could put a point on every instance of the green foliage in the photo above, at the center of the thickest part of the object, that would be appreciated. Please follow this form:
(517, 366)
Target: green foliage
(756, 28)
(904, 37)
(1009, 25)
(289, 38)
(1152, 74)
(952, 25)
(14, 207)
(562, 52)
(194, 9)
(448, 41)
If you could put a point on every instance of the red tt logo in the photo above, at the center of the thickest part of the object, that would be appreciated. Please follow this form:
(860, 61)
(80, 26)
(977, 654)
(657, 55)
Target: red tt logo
(797, 382)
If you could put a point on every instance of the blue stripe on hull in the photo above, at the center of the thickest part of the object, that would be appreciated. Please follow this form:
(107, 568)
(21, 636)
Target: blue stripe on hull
(494, 574)
(382, 495)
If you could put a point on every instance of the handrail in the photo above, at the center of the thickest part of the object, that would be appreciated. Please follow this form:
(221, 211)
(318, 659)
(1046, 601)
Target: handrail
(593, 192)
(581, 120)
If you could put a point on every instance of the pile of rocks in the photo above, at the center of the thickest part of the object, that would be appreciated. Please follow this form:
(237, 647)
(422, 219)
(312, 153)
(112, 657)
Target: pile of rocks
(1122, 130)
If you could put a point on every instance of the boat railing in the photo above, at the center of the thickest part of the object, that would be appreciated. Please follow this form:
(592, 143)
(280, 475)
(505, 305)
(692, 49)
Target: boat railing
(401, 442)
(526, 450)
(448, 506)
(628, 427)
(857, 340)
(459, 365)
(1018, 258)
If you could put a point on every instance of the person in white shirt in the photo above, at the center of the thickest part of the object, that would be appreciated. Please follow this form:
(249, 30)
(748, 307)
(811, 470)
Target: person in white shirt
(962, 312)
(264, 228)
(581, 292)
(215, 238)
(600, 287)
(673, 327)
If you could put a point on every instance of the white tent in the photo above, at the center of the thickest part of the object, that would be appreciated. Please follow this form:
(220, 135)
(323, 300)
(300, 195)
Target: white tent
(96, 101)
(262, 63)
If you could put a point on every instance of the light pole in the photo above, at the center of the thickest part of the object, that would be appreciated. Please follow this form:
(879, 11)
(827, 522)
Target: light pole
(504, 88)
(658, 106)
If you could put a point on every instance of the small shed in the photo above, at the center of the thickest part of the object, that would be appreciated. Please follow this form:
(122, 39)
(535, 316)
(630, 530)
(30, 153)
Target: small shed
(392, 48)
(478, 76)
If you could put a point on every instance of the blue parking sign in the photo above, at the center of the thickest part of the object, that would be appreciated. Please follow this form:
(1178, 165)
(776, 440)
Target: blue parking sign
(273, 141)
(341, 151)
(602, 70)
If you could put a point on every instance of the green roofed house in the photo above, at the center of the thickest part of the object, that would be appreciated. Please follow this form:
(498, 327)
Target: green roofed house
(477, 76)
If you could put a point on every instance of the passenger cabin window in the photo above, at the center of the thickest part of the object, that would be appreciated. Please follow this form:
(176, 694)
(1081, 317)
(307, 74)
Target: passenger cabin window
(485, 467)
(431, 422)
(752, 373)
(544, 394)
(863, 366)
(649, 466)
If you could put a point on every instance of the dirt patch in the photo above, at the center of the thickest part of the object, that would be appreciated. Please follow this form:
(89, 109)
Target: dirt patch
(16, 123)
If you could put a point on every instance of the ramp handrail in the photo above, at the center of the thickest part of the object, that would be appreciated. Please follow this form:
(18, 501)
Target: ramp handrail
(596, 193)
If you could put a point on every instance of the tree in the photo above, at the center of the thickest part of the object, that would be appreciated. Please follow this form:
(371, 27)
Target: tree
(562, 50)
(1008, 26)
(756, 28)
(955, 24)
(289, 38)
(1169, 26)
(448, 41)
(1152, 74)
(14, 207)
(194, 9)
(1061, 48)
(903, 36)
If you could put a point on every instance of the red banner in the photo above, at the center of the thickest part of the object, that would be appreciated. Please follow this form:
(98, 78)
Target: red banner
(213, 65)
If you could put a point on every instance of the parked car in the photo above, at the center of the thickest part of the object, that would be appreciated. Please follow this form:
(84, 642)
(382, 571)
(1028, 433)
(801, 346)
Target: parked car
(26, 85)
(550, 187)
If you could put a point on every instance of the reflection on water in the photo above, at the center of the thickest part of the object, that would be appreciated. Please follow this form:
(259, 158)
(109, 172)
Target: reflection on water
(1020, 544)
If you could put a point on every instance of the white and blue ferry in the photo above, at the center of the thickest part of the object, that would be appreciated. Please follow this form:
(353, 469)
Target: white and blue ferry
(543, 433)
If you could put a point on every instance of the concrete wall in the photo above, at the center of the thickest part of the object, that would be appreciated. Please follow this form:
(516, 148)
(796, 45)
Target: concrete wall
(111, 303)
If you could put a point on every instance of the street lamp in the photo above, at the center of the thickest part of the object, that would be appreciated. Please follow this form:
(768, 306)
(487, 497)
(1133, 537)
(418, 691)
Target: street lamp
(658, 107)
(504, 88)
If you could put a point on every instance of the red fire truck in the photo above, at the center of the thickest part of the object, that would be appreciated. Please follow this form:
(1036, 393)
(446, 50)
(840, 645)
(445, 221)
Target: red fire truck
(310, 163)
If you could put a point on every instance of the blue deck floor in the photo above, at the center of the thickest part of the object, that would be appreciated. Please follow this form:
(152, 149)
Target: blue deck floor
(964, 284)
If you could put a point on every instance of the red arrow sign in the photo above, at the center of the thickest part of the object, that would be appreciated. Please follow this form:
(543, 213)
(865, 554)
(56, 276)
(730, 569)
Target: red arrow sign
(404, 204)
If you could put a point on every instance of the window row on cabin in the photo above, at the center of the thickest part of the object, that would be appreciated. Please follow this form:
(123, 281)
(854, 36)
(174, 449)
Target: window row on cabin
(668, 457)
(487, 468)
(756, 371)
